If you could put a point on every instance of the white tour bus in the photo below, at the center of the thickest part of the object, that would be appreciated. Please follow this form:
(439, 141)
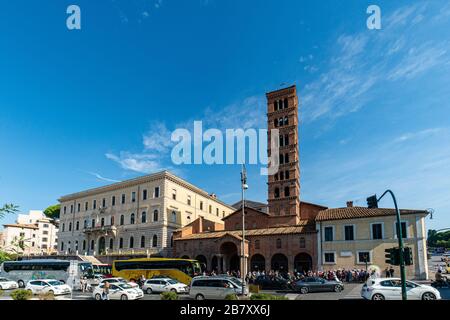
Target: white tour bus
(67, 271)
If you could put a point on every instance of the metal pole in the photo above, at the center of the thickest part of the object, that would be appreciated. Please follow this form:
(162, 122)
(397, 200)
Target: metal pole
(243, 271)
(400, 244)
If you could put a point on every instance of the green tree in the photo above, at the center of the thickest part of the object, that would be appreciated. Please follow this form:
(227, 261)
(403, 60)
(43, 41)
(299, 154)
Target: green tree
(8, 209)
(53, 211)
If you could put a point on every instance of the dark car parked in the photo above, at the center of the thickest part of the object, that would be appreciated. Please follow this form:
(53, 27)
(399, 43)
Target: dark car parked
(317, 285)
(272, 283)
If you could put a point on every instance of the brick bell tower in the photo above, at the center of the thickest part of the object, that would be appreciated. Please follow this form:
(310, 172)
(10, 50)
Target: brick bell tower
(284, 186)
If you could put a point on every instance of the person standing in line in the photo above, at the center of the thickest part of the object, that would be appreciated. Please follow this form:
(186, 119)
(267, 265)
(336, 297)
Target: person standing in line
(391, 271)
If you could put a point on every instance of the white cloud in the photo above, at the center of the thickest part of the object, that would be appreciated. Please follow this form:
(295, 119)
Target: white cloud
(157, 138)
(420, 134)
(360, 62)
(142, 163)
(101, 178)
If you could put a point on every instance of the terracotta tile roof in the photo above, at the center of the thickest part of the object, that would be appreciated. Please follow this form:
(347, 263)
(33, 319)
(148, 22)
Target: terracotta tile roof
(360, 212)
(304, 227)
(22, 225)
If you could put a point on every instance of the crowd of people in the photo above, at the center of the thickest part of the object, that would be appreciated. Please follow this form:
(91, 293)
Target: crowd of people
(344, 275)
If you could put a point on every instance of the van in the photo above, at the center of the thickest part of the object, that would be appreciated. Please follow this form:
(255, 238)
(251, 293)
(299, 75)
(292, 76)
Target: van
(202, 288)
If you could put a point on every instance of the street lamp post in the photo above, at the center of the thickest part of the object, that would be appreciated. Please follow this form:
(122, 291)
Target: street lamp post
(400, 243)
(244, 186)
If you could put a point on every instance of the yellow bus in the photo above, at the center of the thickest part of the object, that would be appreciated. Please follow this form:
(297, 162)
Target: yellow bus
(179, 269)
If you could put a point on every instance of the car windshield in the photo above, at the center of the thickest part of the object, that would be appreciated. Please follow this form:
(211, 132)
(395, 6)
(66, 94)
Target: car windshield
(172, 281)
(54, 283)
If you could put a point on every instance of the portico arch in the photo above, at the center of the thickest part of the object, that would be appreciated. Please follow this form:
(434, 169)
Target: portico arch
(279, 262)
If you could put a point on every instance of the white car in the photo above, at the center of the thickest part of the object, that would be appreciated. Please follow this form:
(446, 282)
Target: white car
(6, 284)
(118, 291)
(164, 285)
(118, 281)
(391, 289)
(48, 286)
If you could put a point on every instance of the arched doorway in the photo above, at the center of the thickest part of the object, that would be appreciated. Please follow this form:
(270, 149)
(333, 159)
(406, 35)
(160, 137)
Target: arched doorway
(101, 245)
(257, 263)
(203, 261)
(279, 262)
(230, 256)
(303, 262)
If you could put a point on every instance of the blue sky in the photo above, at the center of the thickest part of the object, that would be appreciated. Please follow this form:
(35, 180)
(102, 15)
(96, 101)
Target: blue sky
(80, 109)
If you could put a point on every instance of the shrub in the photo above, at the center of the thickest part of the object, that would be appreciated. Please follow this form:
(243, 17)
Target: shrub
(169, 296)
(21, 294)
(46, 296)
(265, 296)
(231, 296)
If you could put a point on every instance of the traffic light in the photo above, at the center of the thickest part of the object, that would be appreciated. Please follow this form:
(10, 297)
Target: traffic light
(392, 256)
(372, 202)
(408, 256)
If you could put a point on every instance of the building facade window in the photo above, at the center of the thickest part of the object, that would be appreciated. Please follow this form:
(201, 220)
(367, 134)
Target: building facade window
(286, 192)
(155, 215)
(156, 192)
(189, 200)
(363, 257)
(121, 243)
(132, 218)
(201, 205)
(122, 220)
(124, 198)
(70, 226)
(84, 245)
(65, 210)
(155, 241)
(143, 242)
(144, 194)
(112, 220)
(329, 257)
(302, 242)
(144, 217)
(77, 226)
(174, 217)
(257, 244)
(94, 204)
(103, 203)
(86, 205)
(102, 222)
(174, 194)
(377, 231)
(113, 201)
(131, 243)
(111, 244)
(85, 225)
(349, 233)
(93, 223)
(278, 243)
(404, 229)
(79, 207)
(329, 233)
(133, 196)
(277, 193)
(92, 244)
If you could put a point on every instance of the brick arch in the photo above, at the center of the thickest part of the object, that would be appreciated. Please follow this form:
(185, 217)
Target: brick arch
(279, 262)
(257, 262)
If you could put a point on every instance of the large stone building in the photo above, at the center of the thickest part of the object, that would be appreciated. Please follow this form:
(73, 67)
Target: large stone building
(353, 236)
(280, 235)
(288, 234)
(32, 234)
(133, 217)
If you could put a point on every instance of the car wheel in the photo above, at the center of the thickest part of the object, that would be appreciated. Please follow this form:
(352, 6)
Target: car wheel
(337, 288)
(304, 290)
(199, 297)
(21, 284)
(149, 291)
(98, 297)
(51, 292)
(124, 297)
(378, 296)
(173, 290)
(428, 296)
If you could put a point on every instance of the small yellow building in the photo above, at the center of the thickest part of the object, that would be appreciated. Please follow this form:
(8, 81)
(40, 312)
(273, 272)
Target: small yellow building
(347, 237)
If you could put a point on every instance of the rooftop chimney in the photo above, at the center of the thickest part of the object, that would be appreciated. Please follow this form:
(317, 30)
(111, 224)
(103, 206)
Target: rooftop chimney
(349, 204)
